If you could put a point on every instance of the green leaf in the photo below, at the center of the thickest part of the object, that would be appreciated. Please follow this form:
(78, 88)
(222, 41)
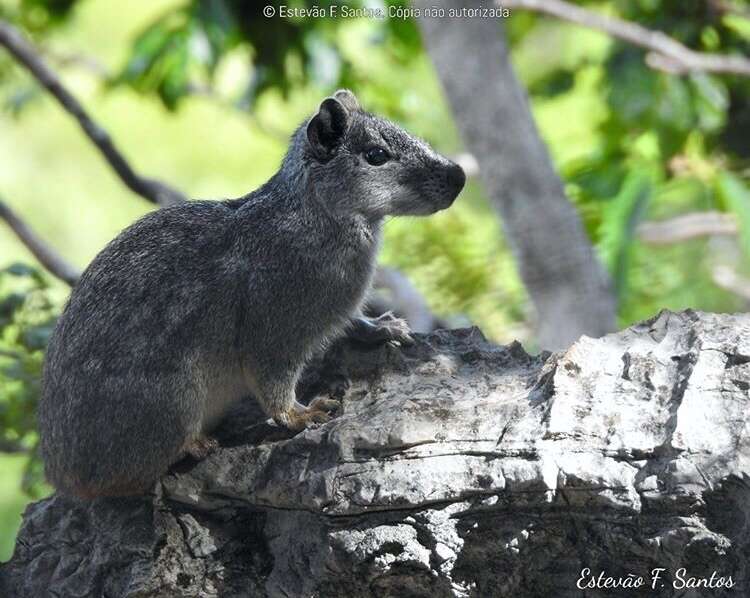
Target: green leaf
(9, 305)
(737, 23)
(619, 221)
(35, 338)
(711, 101)
(216, 23)
(147, 47)
(736, 198)
(22, 270)
(633, 89)
(673, 105)
(175, 63)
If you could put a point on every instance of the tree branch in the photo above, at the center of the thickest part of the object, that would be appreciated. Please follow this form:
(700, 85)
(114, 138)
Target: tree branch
(47, 256)
(687, 226)
(728, 279)
(570, 291)
(150, 189)
(667, 53)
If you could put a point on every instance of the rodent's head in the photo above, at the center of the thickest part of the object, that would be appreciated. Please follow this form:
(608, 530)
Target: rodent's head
(363, 163)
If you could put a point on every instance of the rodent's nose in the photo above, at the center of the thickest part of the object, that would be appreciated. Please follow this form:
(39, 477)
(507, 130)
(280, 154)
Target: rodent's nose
(456, 177)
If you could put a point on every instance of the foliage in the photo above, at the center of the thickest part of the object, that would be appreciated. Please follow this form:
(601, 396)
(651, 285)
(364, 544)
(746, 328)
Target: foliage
(182, 50)
(179, 53)
(468, 281)
(27, 317)
(618, 225)
(37, 16)
(664, 145)
(736, 198)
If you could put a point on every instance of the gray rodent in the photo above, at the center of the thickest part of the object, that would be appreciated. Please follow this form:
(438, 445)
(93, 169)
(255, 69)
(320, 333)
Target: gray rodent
(195, 306)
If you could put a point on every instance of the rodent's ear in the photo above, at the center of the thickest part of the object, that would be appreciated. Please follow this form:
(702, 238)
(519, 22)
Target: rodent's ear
(348, 99)
(327, 128)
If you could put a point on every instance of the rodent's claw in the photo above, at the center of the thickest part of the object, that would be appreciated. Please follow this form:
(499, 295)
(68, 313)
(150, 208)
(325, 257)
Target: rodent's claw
(391, 329)
(399, 331)
(404, 338)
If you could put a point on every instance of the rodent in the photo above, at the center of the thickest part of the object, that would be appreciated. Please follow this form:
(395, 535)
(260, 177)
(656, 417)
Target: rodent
(195, 306)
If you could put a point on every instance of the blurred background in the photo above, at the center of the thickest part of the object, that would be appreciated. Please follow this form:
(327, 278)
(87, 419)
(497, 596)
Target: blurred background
(628, 192)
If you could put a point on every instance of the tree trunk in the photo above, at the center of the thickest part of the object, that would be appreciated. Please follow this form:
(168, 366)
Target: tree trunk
(457, 468)
(568, 287)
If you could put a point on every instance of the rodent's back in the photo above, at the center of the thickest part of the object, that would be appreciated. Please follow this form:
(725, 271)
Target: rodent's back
(153, 281)
(115, 371)
(208, 300)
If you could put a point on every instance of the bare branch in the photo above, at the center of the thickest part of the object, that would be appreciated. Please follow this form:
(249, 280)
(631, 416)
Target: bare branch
(151, 189)
(728, 279)
(687, 226)
(47, 256)
(667, 53)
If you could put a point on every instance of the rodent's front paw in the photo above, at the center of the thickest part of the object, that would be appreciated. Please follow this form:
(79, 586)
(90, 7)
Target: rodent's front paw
(318, 412)
(324, 404)
(396, 329)
(201, 447)
(386, 328)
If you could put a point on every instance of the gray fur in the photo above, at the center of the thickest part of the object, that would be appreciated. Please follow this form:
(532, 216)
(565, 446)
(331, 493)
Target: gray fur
(197, 305)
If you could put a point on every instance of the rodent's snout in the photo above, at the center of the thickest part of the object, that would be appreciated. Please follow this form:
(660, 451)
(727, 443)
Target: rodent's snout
(428, 187)
(456, 179)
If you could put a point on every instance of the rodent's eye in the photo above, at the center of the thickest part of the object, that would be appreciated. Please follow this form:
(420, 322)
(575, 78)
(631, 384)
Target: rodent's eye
(377, 156)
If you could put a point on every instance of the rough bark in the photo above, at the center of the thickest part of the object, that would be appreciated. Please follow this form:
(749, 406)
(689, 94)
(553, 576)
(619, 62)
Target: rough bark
(569, 289)
(456, 468)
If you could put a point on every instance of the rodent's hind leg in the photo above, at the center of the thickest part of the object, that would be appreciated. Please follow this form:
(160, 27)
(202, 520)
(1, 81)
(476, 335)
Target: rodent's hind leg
(384, 328)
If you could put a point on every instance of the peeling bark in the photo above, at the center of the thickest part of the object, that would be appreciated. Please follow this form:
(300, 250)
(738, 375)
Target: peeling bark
(457, 468)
